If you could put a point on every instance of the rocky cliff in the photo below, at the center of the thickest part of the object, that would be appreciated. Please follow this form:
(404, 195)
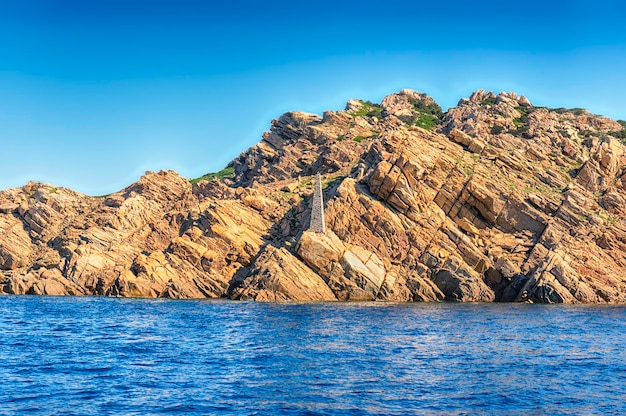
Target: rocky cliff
(495, 200)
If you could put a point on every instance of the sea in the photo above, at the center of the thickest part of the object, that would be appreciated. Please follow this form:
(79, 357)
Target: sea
(113, 356)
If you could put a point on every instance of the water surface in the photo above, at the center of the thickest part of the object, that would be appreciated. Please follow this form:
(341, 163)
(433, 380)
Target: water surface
(133, 356)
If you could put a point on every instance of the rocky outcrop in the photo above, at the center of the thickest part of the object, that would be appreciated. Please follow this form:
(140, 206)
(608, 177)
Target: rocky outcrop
(495, 200)
(352, 272)
(278, 276)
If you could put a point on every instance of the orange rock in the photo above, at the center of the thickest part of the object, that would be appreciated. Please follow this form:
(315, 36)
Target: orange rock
(500, 200)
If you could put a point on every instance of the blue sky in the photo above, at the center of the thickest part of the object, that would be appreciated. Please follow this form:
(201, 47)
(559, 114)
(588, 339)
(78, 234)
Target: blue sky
(95, 92)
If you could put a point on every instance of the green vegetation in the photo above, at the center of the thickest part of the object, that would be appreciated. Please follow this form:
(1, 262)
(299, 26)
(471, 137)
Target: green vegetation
(587, 133)
(621, 134)
(488, 101)
(369, 109)
(360, 138)
(54, 190)
(497, 129)
(523, 118)
(329, 180)
(308, 182)
(227, 172)
(608, 218)
(426, 116)
(333, 180)
(521, 122)
(341, 137)
(588, 142)
(427, 121)
(575, 111)
(543, 189)
(286, 195)
(432, 108)
(511, 184)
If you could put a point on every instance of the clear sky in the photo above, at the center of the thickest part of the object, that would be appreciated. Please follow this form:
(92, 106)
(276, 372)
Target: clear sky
(95, 92)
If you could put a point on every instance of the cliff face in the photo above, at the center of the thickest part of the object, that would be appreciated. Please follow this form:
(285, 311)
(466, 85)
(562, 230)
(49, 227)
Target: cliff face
(495, 200)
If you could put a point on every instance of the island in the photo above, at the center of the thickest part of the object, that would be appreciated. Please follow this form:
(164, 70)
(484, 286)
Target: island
(495, 200)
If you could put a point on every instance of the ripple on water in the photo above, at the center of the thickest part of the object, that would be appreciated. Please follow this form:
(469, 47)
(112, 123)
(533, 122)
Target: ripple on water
(125, 356)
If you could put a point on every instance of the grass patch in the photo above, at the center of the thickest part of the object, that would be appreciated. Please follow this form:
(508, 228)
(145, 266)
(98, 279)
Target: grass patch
(54, 190)
(228, 172)
(511, 184)
(333, 180)
(608, 218)
(359, 139)
(286, 195)
(307, 182)
(427, 121)
(369, 109)
(543, 189)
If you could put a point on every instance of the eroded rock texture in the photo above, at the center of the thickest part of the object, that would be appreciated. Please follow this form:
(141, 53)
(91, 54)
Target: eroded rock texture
(495, 200)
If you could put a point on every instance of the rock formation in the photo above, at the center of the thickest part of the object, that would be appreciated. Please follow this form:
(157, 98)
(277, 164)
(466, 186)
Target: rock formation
(495, 200)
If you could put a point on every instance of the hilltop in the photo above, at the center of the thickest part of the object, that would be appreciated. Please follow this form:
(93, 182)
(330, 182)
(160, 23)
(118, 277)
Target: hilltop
(494, 200)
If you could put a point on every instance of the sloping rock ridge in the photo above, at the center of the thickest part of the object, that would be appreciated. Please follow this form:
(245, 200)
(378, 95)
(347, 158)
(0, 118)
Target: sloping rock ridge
(494, 200)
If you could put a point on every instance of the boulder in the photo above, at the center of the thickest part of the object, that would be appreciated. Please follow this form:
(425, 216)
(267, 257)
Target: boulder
(279, 276)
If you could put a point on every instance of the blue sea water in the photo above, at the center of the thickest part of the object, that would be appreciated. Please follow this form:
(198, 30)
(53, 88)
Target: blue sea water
(67, 356)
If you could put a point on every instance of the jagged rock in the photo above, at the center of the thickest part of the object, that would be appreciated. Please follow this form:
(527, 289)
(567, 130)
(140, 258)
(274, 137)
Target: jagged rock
(278, 276)
(353, 272)
(495, 200)
(474, 145)
(15, 244)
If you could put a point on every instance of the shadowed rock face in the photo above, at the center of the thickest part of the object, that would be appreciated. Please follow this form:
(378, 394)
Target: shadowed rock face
(495, 200)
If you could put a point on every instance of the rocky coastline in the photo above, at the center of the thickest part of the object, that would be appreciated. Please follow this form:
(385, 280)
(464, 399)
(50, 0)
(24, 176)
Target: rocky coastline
(496, 200)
